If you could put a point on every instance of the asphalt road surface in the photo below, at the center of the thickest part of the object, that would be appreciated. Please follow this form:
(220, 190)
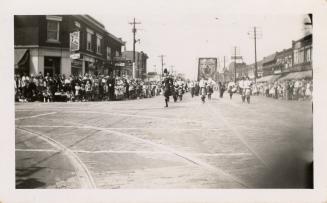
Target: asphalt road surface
(140, 144)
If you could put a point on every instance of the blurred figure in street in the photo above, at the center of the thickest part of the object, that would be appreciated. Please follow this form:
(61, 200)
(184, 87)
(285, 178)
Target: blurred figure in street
(221, 88)
(167, 86)
(196, 89)
(191, 87)
(231, 89)
(209, 87)
(203, 89)
(245, 85)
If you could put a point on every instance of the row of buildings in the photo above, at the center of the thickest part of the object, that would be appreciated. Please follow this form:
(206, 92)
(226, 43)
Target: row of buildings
(71, 45)
(292, 63)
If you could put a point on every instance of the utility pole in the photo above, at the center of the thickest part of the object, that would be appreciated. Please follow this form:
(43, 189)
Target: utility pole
(235, 64)
(255, 55)
(224, 69)
(162, 63)
(134, 42)
(255, 37)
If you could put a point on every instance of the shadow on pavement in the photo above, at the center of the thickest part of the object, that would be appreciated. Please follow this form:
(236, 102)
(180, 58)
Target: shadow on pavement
(27, 183)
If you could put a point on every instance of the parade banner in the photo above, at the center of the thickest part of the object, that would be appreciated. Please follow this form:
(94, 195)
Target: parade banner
(207, 68)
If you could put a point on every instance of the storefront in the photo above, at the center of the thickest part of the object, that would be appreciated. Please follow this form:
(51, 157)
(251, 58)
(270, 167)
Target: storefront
(77, 67)
(51, 65)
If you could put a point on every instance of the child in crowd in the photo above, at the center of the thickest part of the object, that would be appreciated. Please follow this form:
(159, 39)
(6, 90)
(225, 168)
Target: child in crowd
(88, 90)
(47, 95)
(77, 92)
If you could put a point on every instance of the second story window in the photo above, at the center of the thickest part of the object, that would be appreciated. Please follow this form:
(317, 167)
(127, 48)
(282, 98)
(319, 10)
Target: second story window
(117, 54)
(89, 39)
(108, 53)
(99, 39)
(53, 28)
(308, 55)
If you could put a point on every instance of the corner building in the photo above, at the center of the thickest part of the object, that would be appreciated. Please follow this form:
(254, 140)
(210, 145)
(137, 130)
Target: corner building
(42, 44)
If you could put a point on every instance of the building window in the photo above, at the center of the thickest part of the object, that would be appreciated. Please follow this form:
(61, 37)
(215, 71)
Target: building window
(308, 55)
(99, 39)
(301, 55)
(117, 53)
(296, 56)
(89, 39)
(108, 53)
(53, 31)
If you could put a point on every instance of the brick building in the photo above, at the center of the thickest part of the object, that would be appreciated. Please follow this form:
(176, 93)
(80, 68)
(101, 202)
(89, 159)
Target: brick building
(42, 44)
(140, 64)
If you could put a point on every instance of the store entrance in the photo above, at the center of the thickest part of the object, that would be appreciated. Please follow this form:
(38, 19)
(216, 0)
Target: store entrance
(51, 65)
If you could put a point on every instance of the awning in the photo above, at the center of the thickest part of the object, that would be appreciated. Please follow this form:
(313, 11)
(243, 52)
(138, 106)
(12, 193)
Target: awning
(21, 57)
(268, 78)
(297, 75)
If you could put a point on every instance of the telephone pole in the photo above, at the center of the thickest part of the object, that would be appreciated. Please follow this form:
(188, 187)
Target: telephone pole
(255, 36)
(235, 64)
(162, 63)
(134, 42)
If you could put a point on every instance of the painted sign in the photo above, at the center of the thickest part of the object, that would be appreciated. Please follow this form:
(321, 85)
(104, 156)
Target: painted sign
(207, 68)
(75, 56)
(74, 41)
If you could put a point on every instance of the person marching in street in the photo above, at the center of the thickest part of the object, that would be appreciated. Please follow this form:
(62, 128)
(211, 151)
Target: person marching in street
(209, 87)
(221, 88)
(180, 92)
(231, 89)
(245, 85)
(203, 89)
(174, 91)
(191, 87)
(167, 84)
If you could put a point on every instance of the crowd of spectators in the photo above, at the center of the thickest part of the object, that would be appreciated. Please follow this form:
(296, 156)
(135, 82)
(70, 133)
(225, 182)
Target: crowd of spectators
(81, 88)
(287, 90)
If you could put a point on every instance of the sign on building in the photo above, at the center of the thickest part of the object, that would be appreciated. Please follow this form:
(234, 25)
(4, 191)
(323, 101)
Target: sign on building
(207, 68)
(74, 41)
(75, 56)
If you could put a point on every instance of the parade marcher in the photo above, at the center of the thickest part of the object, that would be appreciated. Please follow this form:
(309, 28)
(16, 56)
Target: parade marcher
(180, 93)
(245, 85)
(203, 89)
(167, 86)
(221, 88)
(196, 89)
(209, 87)
(231, 89)
(191, 87)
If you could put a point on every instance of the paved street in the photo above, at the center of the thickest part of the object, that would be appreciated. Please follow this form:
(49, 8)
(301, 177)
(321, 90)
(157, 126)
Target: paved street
(140, 144)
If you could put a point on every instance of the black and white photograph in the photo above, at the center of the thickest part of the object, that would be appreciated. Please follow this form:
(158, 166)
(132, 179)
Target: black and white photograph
(155, 95)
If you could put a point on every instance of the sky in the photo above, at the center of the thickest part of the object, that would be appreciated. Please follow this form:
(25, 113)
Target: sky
(183, 35)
